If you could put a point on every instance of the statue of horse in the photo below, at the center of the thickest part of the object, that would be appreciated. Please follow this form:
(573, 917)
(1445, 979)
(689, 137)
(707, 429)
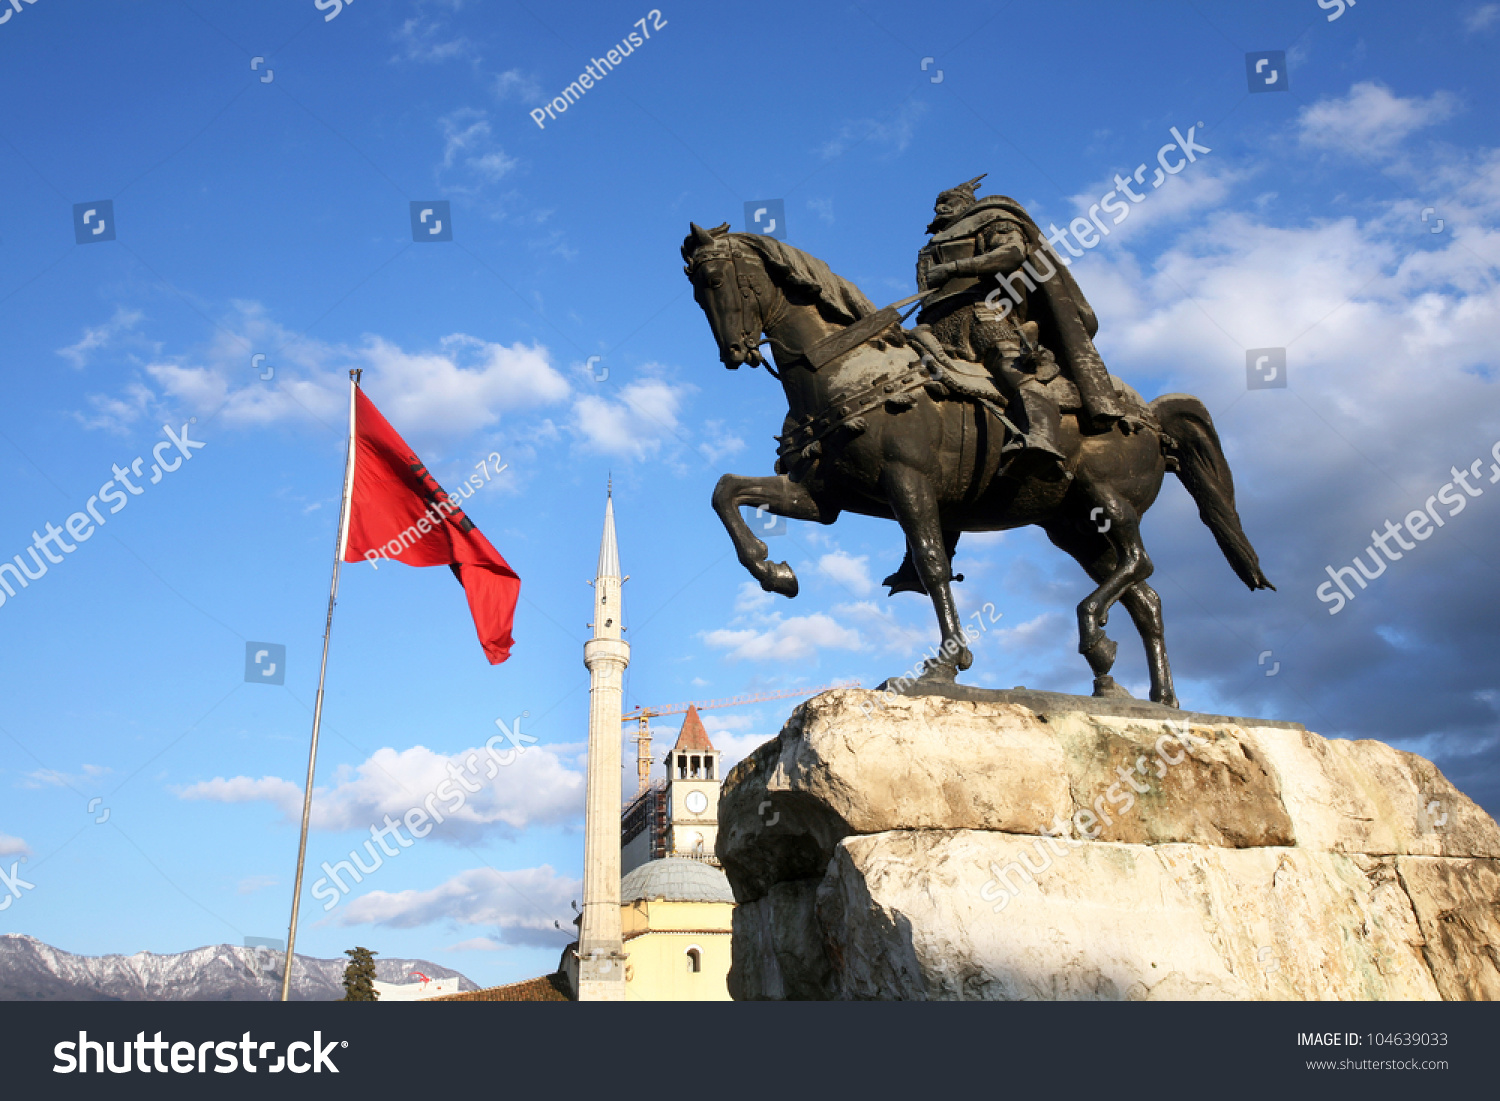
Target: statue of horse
(886, 430)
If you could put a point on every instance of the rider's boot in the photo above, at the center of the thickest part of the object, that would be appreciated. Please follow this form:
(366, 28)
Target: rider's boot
(905, 579)
(1041, 451)
(1036, 452)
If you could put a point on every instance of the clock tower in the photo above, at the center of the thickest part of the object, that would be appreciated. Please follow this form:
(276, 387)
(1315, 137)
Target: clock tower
(693, 781)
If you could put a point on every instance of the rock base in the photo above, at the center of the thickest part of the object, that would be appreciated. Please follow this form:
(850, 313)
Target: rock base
(1031, 848)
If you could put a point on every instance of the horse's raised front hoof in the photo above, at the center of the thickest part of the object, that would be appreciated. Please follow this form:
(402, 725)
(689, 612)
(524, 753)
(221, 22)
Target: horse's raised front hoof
(1106, 687)
(778, 577)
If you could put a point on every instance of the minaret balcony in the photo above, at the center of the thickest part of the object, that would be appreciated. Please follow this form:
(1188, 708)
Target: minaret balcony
(606, 650)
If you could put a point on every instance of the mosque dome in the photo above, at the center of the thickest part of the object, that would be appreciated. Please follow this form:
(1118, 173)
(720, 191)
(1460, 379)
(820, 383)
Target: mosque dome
(676, 880)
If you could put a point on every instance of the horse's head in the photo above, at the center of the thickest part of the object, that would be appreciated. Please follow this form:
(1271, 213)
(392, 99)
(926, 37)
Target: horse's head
(731, 285)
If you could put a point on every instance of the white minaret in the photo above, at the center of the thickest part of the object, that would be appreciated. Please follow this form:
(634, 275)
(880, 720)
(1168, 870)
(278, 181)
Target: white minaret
(601, 956)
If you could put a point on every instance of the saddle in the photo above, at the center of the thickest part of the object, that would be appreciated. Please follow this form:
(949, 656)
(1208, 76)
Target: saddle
(973, 380)
(874, 386)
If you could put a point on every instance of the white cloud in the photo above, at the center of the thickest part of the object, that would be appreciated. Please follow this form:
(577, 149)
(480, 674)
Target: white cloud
(250, 884)
(469, 146)
(466, 385)
(282, 794)
(848, 571)
(13, 846)
(736, 736)
(1034, 634)
(536, 787)
(1356, 302)
(462, 385)
(736, 747)
(795, 639)
(1370, 121)
(632, 426)
(1200, 186)
(427, 40)
(718, 722)
(515, 84)
(719, 443)
(115, 414)
(759, 632)
(752, 598)
(523, 904)
(477, 944)
(51, 777)
(884, 630)
(1482, 18)
(891, 136)
(202, 388)
(101, 336)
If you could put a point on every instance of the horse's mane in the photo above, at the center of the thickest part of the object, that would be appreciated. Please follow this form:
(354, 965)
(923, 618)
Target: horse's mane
(842, 298)
(839, 297)
(809, 273)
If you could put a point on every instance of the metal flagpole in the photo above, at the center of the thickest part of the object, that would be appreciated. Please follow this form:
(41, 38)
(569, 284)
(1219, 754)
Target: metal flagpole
(312, 754)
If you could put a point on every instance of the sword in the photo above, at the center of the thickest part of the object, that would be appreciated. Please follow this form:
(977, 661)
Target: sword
(866, 328)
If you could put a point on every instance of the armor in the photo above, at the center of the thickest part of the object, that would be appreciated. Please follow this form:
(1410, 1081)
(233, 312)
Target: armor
(1047, 329)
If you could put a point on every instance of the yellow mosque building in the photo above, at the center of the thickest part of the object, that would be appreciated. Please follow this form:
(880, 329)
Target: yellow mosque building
(656, 918)
(675, 901)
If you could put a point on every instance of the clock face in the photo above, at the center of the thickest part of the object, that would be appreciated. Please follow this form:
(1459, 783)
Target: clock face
(696, 802)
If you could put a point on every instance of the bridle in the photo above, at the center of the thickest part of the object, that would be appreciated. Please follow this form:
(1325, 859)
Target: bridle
(754, 284)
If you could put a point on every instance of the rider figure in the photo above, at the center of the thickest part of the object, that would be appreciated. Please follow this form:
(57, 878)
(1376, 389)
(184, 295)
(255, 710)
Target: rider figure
(1043, 328)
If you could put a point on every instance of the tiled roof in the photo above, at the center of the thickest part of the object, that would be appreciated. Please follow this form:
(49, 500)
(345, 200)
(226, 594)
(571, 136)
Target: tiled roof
(548, 988)
(693, 739)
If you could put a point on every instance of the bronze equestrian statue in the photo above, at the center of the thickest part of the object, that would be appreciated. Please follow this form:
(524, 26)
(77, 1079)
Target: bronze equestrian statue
(920, 425)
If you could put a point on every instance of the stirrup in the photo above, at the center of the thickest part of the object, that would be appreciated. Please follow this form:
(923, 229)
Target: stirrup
(1036, 462)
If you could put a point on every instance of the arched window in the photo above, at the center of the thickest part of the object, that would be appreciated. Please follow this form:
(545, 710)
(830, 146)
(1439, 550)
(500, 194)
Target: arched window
(694, 960)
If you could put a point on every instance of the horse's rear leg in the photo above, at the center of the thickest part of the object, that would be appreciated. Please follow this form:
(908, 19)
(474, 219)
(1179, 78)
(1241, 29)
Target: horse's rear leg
(1144, 606)
(914, 502)
(1115, 558)
(780, 496)
(1097, 648)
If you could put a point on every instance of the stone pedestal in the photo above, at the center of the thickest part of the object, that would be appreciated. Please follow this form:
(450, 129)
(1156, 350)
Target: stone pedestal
(1032, 846)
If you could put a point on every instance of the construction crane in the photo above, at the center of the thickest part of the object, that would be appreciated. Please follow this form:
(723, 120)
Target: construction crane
(644, 715)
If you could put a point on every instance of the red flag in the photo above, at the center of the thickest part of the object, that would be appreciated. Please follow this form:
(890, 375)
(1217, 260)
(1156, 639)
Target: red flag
(399, 512)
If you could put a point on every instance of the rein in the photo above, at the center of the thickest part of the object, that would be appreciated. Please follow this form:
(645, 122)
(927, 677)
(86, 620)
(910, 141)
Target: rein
(768, 317)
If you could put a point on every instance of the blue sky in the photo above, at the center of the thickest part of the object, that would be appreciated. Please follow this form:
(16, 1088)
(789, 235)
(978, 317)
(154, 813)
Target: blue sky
(1353, 220)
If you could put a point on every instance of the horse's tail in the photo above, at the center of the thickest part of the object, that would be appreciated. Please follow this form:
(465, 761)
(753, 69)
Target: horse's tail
(1191, 440)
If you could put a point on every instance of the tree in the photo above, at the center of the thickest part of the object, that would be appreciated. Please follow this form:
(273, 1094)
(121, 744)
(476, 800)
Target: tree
(359, 976)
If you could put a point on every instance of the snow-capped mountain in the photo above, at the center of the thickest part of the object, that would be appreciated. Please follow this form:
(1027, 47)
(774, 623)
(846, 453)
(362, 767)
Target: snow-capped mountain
(31, 971)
